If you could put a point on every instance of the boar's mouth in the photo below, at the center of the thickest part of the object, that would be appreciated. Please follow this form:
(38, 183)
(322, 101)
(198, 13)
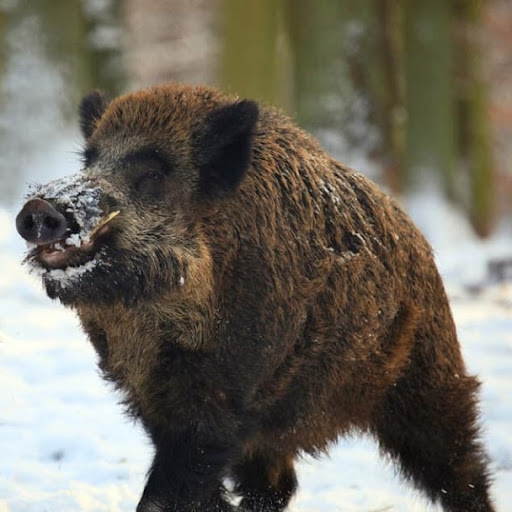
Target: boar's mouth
(73, 250)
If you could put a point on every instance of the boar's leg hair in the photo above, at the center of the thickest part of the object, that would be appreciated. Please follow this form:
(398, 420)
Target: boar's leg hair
(186, 474)
(266, 482)
(427, 423)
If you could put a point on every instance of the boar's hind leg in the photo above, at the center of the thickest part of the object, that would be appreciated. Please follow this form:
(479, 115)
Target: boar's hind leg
(430, 429)
(186, 476)
(265, 481)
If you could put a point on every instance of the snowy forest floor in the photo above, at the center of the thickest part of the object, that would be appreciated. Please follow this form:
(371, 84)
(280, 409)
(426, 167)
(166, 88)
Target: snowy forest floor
(66, 445)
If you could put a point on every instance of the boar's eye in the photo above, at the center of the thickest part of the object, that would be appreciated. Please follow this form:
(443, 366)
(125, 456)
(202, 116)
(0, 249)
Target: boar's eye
(150, 182)
(148, 170)
(153, 175)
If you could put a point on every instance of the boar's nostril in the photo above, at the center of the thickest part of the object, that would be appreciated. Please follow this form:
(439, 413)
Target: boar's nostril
(28, 222)
(40, 223)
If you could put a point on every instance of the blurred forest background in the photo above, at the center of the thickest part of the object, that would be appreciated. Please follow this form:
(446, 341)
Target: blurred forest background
(415, 93)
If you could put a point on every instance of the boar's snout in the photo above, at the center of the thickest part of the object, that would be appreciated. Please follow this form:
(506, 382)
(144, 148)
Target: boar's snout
(40, 223)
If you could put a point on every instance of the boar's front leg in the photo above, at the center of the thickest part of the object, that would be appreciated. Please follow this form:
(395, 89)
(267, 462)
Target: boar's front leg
(266, 481)
(186, 475)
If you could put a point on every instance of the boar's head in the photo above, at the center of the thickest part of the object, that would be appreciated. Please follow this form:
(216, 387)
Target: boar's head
(129, 224)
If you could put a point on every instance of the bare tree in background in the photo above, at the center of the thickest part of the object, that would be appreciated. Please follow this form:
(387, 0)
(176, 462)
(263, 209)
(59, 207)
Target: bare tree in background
(398, 81)
(383, 78)
(83, 41)
(253, 61)
(430, 141)
(474, 129)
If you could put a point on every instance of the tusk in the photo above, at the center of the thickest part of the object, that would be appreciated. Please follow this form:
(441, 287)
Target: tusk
(103, 221)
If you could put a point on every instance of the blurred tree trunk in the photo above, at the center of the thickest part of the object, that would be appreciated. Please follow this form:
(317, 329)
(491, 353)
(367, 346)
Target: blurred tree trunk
(376, 64)
(430, 142)
(103, 47)
(474, 136)
(64, 29)
(387, 84)
(348, 76)
(253, 48)
(3, 20)
(360, 41)
(317, 55)
(73, 42)
(332, 43)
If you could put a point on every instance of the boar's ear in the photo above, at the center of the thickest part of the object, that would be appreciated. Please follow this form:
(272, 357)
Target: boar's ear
(91, 109)
(225, 146)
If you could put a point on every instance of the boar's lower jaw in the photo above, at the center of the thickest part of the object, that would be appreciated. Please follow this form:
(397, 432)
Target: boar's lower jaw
(64, 261)
(70, 275)
(72, 284)
(103, 280)
(59, 279)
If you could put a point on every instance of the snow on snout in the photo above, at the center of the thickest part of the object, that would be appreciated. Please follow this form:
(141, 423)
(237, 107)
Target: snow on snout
(76, 196)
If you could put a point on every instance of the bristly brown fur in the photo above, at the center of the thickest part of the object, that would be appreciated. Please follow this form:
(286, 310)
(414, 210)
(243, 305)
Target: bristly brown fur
(250, 326)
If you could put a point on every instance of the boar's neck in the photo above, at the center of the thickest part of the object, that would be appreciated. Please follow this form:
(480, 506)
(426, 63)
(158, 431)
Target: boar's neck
(130, 340)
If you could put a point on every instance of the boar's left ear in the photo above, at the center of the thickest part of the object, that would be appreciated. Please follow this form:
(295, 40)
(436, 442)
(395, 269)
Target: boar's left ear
(224, 147)
(91, 109)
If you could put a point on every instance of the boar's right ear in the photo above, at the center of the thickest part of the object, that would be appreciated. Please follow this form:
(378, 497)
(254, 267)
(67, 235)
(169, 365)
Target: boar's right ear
(91, 109)
(224, 147)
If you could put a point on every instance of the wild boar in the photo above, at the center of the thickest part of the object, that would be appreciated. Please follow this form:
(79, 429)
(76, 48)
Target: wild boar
(254, 299)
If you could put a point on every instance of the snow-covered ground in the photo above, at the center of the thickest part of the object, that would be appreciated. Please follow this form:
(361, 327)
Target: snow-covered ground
(66, 446)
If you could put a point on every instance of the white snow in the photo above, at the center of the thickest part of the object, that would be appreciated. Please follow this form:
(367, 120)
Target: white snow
(66, 445)
(69, 275)
(330, 191)
(74, 239)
